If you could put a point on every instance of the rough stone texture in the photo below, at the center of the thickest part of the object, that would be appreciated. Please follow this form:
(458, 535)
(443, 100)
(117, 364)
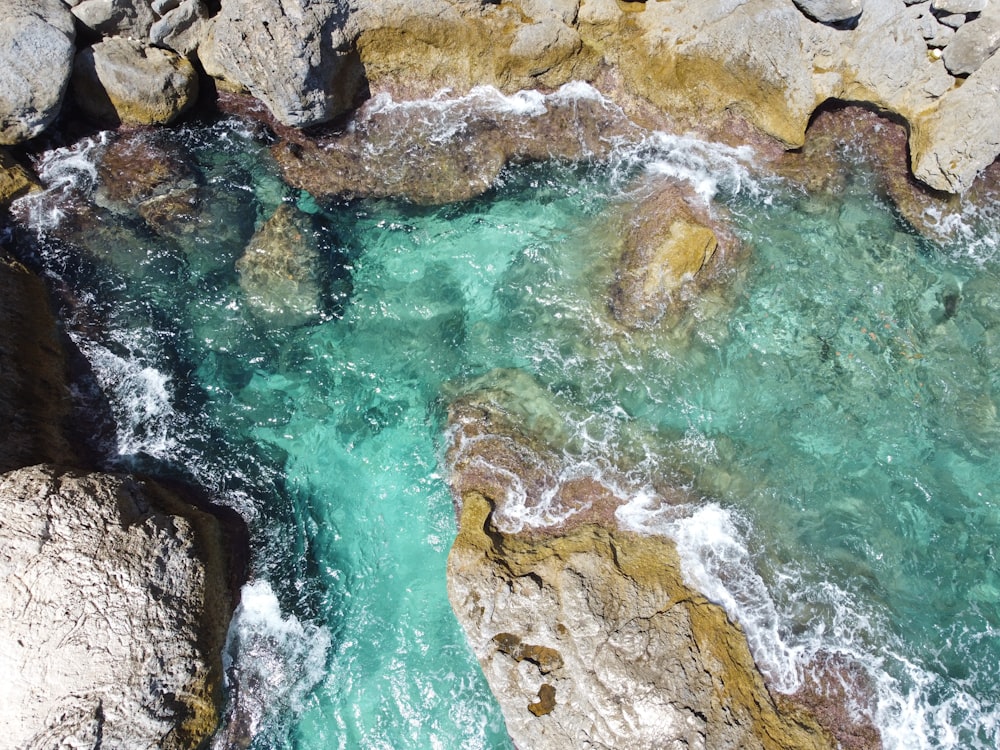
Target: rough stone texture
(830, 11)
(121, 81)
(668, 238)
(36, 58)
(281, 271)
(182, 25)
(959, 6)
(114, 605)
(15, 179)
(291, 54)
(973, 44)
(34, 401)
(954, 144)
(130, 18)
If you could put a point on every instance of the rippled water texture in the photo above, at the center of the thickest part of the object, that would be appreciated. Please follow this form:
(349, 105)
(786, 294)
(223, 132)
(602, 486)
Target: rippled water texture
(833, 400)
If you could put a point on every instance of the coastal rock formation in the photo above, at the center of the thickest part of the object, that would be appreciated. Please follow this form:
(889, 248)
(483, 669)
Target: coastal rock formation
(129, 18)
(587, 634)
(36, 58)
(114, 605)
(831, 11)
(291, 54)
(122, 81)
(182, 25)
(15, 180)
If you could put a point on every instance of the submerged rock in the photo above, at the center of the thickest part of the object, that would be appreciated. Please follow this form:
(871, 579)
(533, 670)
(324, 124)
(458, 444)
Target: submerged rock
(669, 239)
(587, 634)
(282, 273)
(122, 81)
(36, 58)
(114, 604)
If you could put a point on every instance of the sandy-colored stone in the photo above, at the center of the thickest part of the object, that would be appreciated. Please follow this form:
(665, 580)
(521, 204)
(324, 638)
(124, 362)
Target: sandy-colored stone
(15, 179)
(122, 81)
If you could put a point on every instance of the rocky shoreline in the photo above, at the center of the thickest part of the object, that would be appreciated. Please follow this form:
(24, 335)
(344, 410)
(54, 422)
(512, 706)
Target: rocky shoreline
(915, 83)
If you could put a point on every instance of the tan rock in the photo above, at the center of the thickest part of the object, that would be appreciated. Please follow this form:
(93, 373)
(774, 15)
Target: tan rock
(667, 241)
(15, 179)
(120, 80)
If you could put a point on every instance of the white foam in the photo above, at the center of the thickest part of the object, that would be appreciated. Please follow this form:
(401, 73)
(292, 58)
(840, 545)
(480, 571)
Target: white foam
(272, 660)
(140, 398)
(62, 171)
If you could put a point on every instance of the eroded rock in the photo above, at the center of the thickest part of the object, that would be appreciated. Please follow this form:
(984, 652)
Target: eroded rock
(293, 55)
(36, 59)
(831, 11)
(130, 18)
(668, 242)
(114, 604)
(122, 81)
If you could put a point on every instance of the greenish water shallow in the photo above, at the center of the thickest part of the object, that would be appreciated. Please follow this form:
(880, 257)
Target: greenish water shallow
(833, 403)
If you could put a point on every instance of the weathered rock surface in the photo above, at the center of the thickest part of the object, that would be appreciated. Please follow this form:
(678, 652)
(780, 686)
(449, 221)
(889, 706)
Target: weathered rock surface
(291, 54)
(830, 11)
(974, 43)
(36, 58)
(129, 18)
(114, 604)
(15, 179)
(122, 81)
(35, 405)
(587, 634)
(281, 272)
(668, 239)
(451, 149)
(182, 25)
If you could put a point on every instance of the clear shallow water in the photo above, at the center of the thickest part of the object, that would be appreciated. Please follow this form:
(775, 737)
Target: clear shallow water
(834, 404)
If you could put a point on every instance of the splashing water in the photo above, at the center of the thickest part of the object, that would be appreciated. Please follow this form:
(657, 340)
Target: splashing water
(835, 406)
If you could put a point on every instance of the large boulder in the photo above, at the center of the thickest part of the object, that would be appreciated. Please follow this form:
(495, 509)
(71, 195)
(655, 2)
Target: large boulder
(293, 55)
(974, 43)
(36, 58)
(122, 81)
(831, 11)
(114, 605)
(181, 25)
(131, 18)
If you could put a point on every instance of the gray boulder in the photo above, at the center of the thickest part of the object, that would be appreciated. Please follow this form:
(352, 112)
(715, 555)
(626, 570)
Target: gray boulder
(181, 24)
(123, 81)
(36, 57)
(973, 44)
(293, 55)
(114, 604)
(959, 6)
(131, 18)
(830, 11)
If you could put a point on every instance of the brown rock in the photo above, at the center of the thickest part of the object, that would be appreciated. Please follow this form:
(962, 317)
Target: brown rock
(668, 240)
(15, 179)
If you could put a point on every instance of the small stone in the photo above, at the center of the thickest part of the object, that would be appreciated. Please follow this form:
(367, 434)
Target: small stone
(831, 11)
(954, 20)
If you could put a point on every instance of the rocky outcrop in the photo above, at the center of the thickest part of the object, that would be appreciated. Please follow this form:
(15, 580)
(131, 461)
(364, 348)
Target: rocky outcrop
(587, 634)
(122, 81)
(114, 604)
(115, 593)
(831, 11)
(15, 179)
(36, 57)
(291, 54)
(129, 18)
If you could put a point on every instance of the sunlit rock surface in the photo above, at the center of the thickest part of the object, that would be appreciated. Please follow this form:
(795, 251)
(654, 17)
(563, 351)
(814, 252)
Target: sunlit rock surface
(113, 611)
(122, 81)
(587, 634)
(36, 58)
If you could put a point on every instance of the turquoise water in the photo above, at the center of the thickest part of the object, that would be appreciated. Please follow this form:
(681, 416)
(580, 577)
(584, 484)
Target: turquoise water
(832, 400)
